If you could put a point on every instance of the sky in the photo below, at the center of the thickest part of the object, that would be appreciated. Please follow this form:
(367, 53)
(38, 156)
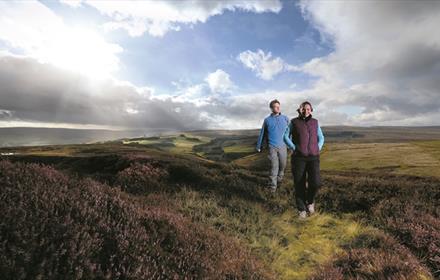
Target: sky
(206, 64)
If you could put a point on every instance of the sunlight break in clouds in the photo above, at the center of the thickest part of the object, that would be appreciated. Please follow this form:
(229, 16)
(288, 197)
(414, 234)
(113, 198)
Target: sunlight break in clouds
(38, 32)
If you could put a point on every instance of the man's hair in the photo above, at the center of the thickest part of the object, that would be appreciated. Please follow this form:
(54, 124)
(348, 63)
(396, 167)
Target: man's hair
(302, 105)
(273, 102)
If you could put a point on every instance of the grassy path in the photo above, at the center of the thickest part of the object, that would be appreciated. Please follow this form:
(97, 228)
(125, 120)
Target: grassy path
(293, 248)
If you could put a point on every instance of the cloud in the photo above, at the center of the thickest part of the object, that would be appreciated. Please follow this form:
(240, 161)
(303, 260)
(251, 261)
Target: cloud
(214, 90)
(34, 92)
(60, 98)
(387, 63)
(33, 29)
(384, 69)
(264, 65)
(38, 87)
(72, 3)
(159, 17)
(219, 81)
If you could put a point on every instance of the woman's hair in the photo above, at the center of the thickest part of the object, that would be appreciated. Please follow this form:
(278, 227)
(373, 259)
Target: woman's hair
(273, 102)
(301, 106)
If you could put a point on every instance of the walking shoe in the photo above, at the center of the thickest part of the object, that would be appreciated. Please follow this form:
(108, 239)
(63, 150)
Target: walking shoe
(271, 188)
(302, 214)
(311, 208)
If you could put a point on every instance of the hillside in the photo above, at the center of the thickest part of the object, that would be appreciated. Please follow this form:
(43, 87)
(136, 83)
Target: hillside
(194, 204)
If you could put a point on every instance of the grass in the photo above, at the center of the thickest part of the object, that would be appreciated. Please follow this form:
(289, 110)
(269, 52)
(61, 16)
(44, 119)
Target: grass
(309, 243)
(182, 143)
(431, 147)
(293, 248)
(239, 149)
(412, 158)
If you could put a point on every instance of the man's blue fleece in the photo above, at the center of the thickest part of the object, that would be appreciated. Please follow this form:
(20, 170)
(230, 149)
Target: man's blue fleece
(274, 127)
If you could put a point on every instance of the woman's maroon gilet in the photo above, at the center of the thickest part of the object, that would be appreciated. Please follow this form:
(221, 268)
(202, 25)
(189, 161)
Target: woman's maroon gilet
(305, 136)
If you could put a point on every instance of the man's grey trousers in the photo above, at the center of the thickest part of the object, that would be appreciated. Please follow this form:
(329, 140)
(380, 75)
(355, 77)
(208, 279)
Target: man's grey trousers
(278, 160)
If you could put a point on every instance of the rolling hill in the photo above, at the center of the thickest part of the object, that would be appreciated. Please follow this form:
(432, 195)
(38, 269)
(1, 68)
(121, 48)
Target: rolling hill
(193, 205)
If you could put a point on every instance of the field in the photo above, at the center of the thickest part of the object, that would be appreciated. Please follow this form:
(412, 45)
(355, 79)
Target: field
(194, 204)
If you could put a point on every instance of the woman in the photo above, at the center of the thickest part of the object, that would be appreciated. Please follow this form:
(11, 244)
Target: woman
(304, 136)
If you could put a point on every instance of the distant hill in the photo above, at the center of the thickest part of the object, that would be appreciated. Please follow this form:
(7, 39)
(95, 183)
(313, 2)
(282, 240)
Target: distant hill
(35, 136)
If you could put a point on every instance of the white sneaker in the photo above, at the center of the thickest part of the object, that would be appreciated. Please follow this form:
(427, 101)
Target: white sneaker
(311, 208)
(302, 214)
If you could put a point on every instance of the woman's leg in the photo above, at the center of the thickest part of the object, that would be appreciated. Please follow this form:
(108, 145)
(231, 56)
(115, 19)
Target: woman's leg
(299, 182)
(314, 180)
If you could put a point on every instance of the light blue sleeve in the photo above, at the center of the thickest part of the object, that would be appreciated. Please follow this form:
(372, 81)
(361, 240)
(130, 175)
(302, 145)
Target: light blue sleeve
(286, 137)
(320, 138)
(260, 137)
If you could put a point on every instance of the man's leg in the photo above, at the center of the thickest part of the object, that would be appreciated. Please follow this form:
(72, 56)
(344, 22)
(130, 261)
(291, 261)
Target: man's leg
(314, 180)
(282, 156)
(273, 156)
(299, 182)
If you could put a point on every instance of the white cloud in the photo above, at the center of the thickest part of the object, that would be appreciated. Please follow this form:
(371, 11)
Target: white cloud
(387, 62)
(215, 87)
(196, 94)
(219, 81)
(37, 31)
(159, 17)
(72, 3)
(264, 65)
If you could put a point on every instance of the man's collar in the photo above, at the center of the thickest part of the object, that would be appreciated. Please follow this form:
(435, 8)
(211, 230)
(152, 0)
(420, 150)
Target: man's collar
(273, 114)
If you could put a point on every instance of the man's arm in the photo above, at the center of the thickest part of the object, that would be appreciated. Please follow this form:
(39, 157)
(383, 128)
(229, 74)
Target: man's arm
(261, 136)
(286, 137)
(320, 138)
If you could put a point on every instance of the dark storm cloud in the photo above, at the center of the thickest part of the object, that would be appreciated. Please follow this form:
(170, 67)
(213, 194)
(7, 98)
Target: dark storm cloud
(36, 92)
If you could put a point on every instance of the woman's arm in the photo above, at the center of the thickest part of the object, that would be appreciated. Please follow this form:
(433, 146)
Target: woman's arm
(286, 137)
(320, 138)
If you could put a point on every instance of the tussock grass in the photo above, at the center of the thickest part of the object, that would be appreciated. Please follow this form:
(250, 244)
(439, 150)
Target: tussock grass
(293, 248)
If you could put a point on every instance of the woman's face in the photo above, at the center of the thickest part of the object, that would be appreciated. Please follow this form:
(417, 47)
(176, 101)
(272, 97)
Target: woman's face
(306, 110)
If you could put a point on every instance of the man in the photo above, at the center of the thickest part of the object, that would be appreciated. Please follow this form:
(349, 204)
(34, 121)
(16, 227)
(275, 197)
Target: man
(273, 128)
(304, 136)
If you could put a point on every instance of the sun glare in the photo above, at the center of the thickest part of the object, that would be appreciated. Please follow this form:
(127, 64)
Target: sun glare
(81, 50)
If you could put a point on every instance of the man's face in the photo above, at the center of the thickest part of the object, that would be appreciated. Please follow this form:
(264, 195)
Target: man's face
(275, 108)
(306, 110)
